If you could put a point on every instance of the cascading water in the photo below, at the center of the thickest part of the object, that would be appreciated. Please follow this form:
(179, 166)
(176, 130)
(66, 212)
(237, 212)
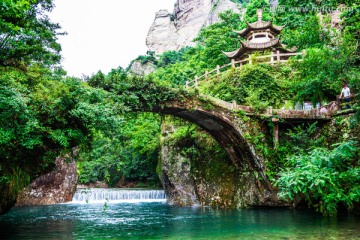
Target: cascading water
(101, 195)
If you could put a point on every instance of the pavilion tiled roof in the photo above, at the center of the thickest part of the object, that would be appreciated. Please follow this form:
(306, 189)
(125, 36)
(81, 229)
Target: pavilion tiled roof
(260, 25)
(249, 47)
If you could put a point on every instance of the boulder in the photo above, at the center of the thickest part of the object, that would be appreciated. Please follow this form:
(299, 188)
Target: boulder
(55, 187)
(141, 69)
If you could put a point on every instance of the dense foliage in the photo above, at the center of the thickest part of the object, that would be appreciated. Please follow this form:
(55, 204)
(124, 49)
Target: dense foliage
(128, 153)
(250, 85)
(43, 115)
(27, 34)
(325, 178)
(251, 11)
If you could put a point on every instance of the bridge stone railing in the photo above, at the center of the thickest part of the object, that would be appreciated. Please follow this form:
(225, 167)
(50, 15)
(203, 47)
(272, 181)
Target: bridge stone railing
(323, 112)
(273, 58)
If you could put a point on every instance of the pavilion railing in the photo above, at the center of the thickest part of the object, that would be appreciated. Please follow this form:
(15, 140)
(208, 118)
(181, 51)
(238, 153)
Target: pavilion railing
(273, 58)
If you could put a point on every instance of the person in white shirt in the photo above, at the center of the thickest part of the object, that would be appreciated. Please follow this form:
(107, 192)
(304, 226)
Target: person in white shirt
(345, 93)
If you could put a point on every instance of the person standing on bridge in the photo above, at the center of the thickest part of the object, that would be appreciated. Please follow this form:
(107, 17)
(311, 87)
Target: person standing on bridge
(345, 93)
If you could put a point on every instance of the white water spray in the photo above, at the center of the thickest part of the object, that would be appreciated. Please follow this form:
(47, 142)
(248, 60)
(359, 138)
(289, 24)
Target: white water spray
(101, 195)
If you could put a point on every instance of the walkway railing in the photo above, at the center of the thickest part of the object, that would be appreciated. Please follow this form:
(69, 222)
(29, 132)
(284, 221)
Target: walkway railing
(273, 58)
(323, 112)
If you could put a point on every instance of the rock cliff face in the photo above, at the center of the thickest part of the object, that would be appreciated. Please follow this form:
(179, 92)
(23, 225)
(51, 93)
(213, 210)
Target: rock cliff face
(175, 173)
(177, 30)
(55, 187)
(206, 178)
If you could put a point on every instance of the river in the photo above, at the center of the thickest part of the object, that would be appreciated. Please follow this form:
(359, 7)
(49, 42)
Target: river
(158, 220)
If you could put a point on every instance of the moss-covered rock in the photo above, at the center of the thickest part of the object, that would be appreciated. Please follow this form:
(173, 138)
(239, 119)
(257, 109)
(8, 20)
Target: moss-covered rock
(195, 170)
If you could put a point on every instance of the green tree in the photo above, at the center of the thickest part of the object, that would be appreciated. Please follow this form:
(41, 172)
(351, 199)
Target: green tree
(320, 75)
(27, 34)
(172, 57)
(251, 11)
(240, 84)
(40, 118)
(127, 153)
(219, 37)
(312, 34)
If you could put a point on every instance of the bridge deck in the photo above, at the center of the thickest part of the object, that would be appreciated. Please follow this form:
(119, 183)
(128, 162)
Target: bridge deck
(323, 113)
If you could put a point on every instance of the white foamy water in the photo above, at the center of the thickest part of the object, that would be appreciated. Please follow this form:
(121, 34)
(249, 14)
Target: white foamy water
(111, 195)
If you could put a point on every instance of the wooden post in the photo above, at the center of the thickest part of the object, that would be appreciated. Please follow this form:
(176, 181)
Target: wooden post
(217, 70)
(187, 85)
(233, 63)
(272, 58)
(276, 132)
(206, 74)
(278, 56)
(196, 81)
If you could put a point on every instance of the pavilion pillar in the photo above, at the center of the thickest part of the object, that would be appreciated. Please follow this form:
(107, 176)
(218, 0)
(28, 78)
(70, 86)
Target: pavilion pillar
(233, 63)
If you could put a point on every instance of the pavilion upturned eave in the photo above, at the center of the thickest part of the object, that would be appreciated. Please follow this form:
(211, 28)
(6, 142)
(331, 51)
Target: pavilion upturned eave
(260, 26)
(251, 47)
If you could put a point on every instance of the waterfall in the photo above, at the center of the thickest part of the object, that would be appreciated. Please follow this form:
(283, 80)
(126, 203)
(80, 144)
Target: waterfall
(111, 195)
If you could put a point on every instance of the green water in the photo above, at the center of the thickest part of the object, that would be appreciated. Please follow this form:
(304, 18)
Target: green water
(161, 221)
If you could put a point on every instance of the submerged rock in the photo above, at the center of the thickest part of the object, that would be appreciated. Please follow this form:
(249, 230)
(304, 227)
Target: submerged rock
(55, 187)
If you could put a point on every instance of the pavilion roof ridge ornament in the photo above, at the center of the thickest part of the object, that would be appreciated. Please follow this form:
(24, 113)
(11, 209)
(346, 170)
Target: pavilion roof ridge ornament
(259, 14)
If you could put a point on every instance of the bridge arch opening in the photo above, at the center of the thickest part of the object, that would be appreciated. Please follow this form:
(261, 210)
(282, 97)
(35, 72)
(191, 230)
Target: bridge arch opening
(183, 176)
(220, 127)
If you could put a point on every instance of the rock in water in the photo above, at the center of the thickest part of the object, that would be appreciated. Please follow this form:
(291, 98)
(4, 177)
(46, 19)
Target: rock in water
(173, 31)
(55, 187)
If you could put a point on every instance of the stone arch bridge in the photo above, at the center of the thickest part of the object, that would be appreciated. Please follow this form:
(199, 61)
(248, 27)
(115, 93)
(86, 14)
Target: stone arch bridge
(225, 123)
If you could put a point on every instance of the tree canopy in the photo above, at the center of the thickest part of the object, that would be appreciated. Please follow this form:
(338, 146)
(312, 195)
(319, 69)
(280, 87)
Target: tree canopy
(27, 34)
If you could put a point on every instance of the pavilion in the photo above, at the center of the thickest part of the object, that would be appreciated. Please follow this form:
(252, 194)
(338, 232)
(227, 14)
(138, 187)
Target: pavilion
(260, 37)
